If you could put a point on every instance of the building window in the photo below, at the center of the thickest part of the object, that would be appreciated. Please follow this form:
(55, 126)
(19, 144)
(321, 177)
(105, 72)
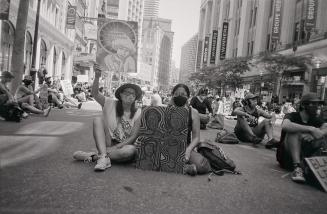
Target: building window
(296, 32)
(252, 44)
(268, 42)
(271, 7)
(28, 51)
(7, 41)
(251, 16)
(248, 52)
(43, 53)
(255, 16)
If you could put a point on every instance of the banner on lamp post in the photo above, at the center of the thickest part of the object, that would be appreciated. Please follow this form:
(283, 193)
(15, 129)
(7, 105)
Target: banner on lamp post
(71, 17)
(277, 20)
(4, 9)
(213, 47)
(199, 54)
(223, 45)
(311, 14)
(205, 50)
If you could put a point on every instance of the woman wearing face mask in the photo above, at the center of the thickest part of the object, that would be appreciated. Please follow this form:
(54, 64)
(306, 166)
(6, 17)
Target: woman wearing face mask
(197, 164)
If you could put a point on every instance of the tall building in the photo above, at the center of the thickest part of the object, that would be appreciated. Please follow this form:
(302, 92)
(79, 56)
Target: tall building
(157, 40)
(151, 8)
(55, 44)
(236, 28)
(188, 59)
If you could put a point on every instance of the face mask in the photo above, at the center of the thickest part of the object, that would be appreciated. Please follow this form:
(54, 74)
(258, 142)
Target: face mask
(180, 101)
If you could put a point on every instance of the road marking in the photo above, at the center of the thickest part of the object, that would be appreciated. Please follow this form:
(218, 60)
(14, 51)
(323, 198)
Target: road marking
(25, 148)
(277, 170)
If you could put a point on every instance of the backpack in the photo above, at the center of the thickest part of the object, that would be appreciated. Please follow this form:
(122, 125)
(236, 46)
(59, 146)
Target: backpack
(223, 136)
(217, 158)
(11, 113)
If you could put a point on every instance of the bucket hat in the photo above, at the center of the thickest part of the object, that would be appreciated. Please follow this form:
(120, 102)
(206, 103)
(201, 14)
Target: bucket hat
(137, 89)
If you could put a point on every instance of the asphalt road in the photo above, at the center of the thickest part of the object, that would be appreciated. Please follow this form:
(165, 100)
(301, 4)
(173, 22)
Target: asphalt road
(38, 175)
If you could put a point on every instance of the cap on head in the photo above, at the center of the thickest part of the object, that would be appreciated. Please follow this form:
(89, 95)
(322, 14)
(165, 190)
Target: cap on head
(310, 98)
(28, 77)
(250, 96)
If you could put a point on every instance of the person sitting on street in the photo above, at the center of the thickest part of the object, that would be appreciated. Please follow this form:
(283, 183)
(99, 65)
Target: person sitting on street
(300, 133)
(196, 163)
(202, 104)
(53, 94)
(247, 128)
(25, 93)
(117, 129)
(6, 78)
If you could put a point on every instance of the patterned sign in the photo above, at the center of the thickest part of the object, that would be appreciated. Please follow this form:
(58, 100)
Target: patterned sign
(213, 47)
(277, 21)
(311, 14)
(71, 17)
(117, 46)
(162, 140)
(223, 45)
(205, 50)
(4, 9)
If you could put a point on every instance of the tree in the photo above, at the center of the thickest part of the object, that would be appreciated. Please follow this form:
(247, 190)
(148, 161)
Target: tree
(277, 64)
(17, 61)
(228, 72)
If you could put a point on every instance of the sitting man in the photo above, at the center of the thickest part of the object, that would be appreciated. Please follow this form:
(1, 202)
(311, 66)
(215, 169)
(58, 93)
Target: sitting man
(300, 134)
(202, 104)
(247, 128)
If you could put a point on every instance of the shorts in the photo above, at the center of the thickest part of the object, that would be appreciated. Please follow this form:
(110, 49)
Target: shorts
(242, 135)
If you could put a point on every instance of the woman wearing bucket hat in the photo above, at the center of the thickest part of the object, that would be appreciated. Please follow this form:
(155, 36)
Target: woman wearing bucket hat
(117, 129)
(247, 128)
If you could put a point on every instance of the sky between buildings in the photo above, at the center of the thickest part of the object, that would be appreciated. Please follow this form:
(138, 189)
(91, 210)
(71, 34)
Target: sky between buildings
(185, 21)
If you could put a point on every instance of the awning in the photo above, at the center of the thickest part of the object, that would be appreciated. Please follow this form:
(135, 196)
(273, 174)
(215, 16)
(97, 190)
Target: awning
(321, 71)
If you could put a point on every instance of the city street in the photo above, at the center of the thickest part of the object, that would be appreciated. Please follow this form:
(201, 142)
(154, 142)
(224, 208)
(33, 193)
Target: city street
(38, 175)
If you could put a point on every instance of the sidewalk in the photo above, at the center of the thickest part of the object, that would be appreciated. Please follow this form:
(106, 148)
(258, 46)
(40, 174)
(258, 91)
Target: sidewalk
(41, 177)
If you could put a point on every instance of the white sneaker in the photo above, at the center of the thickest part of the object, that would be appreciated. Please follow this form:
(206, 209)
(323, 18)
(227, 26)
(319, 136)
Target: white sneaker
(83, 156)
(103, 163)
(47, 111)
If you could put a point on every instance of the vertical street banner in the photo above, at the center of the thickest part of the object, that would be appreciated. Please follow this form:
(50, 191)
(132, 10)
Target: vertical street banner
(205, 50)
(117, 46)
(311, 14)
(71, 17)
(277, 20)
(213, 47)
(223, 45)
(4, 9)
(199, 54)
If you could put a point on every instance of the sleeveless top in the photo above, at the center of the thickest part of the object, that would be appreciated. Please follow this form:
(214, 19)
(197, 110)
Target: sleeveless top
(118, 128)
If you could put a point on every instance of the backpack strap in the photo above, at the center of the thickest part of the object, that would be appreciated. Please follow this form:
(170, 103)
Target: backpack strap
(189, 125)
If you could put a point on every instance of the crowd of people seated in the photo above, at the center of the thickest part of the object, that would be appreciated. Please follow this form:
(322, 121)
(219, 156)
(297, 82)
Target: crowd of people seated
(26, 100)
(117, 129)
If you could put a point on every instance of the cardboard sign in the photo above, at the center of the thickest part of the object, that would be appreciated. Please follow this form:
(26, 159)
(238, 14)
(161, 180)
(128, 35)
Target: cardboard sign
(67, 87)
(318, 166)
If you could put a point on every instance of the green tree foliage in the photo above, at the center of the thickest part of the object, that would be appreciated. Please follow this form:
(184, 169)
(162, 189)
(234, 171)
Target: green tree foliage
(228, 72)
(278, 63)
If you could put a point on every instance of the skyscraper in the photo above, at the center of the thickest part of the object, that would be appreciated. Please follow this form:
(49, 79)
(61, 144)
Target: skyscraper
(151, 8)
(188, 59)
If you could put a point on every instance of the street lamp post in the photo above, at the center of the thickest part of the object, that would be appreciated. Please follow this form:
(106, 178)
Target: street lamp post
(36, 33)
